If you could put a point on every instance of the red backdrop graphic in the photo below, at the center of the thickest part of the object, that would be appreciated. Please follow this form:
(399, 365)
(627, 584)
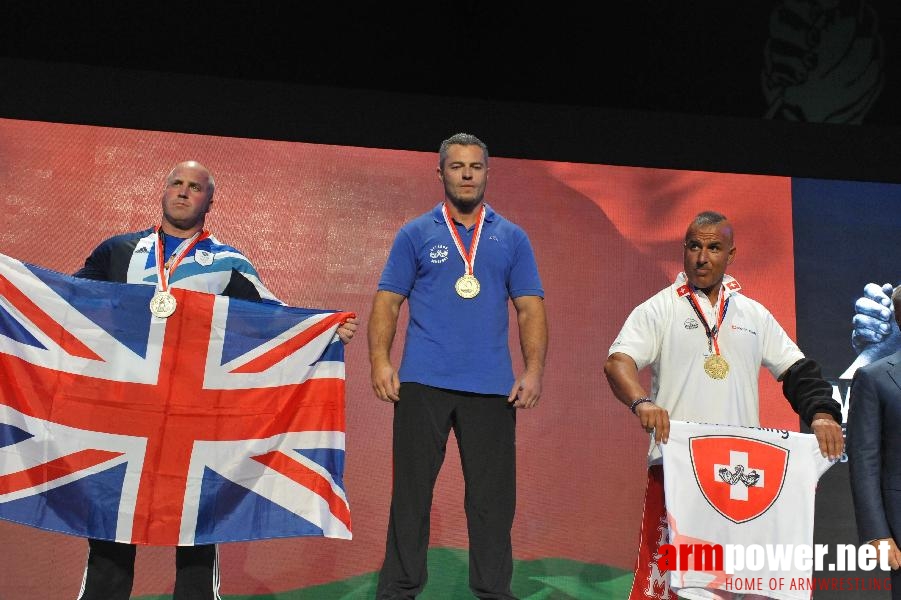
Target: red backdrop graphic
(318, 221)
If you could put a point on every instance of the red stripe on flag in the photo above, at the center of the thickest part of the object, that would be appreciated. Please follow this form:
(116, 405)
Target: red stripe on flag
(45, 322)
(280, 352)
(54, 469)
(308, 478)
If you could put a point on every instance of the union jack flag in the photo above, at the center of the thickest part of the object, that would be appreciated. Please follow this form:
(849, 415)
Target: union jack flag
(223, 422)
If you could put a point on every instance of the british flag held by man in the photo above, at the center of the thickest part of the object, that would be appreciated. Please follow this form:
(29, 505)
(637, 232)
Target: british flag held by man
(222, 422)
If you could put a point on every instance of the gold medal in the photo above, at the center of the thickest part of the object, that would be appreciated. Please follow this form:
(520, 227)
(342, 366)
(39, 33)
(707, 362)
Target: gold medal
(716, 366)
(467, 286)
(162, 304)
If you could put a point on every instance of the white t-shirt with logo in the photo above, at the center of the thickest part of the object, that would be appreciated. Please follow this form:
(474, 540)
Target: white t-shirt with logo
(744, 486)
(666, 333)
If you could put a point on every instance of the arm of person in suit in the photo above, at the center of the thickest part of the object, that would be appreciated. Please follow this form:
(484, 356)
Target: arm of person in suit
(894, 554)
(865, 461)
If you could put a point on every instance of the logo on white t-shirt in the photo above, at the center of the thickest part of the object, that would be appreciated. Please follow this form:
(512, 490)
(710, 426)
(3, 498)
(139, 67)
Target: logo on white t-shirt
(740, 477)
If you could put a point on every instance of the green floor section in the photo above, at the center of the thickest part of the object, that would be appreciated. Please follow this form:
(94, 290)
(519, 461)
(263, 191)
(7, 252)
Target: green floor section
(545, 579)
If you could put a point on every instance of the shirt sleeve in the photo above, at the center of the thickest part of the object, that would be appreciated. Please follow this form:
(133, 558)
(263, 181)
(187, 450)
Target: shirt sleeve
(245, 283)
(399, 273)
(641, 337)
(524, 277)
(97, 265)
(779, 352)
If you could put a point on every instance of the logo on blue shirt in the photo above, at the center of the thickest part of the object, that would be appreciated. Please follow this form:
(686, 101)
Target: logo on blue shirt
(438, 254)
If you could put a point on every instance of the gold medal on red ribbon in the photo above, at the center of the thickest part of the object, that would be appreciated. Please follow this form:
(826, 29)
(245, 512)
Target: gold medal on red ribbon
(716, 366)
(467, 286)
(162, 304)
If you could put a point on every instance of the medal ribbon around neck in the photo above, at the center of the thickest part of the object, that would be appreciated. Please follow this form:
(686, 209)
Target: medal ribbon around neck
(469, 258)
(164, 270)
(712, 333)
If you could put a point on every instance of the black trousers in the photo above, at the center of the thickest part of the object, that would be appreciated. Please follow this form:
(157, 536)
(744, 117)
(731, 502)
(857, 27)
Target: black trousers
(111, 571)
(485, 427)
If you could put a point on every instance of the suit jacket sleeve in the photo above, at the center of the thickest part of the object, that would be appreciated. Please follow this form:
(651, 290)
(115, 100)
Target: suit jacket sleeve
(865, 453)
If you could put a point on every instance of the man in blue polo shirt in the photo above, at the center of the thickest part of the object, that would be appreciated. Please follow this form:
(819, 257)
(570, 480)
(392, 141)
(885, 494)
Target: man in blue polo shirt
(458, 265)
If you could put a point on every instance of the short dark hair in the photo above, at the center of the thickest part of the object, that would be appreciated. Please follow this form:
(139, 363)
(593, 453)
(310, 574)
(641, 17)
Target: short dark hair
(461, 139)
(706, 219)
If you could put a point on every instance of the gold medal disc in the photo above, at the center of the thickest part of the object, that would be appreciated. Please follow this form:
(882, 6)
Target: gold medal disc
(162, 304)
(716, 366)
(467, 286)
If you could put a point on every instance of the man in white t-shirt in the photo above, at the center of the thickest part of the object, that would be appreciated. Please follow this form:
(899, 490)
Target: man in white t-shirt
(705, 342)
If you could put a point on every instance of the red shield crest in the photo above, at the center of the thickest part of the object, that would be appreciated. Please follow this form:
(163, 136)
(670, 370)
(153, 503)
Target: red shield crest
(740, 477)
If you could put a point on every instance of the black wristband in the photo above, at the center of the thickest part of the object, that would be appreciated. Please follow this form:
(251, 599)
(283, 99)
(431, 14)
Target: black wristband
(635, 404)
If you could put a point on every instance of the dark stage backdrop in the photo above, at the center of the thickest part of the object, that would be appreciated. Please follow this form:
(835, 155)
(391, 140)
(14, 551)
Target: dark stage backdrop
(318, 221)
(844, 239)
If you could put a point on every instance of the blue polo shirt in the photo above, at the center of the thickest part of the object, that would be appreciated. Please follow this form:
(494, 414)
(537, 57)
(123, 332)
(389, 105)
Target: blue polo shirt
(452, 342)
